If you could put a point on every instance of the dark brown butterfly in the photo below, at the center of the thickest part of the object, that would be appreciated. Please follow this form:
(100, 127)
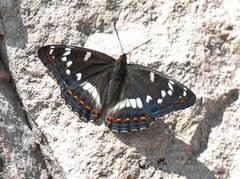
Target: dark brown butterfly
(126, 97)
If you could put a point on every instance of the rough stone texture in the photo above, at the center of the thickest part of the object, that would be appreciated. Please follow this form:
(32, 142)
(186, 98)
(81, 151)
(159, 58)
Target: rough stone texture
(196, 42)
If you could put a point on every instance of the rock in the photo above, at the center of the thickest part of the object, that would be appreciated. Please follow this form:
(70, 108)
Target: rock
(197, 43)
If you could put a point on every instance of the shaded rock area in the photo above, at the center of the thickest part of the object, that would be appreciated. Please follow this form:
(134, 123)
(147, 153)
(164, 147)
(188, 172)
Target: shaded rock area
(195, 42)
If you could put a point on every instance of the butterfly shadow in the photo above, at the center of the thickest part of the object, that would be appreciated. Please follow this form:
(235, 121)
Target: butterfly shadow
(164, 151)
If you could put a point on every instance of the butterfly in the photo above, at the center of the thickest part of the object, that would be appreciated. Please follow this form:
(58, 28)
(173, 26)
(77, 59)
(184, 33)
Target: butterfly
(127, 97)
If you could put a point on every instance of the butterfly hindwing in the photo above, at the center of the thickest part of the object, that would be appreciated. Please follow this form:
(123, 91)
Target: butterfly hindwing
(86, 98)
(147, 94)
(81, 74)
(128, 113)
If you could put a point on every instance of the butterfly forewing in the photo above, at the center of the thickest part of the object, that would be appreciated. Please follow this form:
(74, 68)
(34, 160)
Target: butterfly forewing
(81, 74)
(67, 61)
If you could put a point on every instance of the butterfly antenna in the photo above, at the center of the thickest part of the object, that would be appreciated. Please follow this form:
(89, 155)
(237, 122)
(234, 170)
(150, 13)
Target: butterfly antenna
(139, 46)
(118, 36)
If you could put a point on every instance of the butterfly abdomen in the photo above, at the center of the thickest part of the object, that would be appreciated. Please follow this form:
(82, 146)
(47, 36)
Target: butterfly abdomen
(116, 80)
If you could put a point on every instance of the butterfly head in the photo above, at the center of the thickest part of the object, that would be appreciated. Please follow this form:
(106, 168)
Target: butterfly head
(122, 59)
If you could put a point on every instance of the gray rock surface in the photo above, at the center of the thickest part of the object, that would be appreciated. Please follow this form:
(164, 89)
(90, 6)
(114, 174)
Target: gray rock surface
(196, 42)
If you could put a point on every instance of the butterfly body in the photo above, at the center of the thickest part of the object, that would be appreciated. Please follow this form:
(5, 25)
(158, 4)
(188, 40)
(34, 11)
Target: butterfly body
(116, 81)
(126, 97)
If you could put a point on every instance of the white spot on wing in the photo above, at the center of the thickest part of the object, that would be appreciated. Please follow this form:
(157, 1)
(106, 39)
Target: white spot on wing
(139, 103)
(151, 123)
(64, 59)
(170, 81)
(120, 105)
(184, 93)
(69, 63)
(128, 104)
(96, 96)
(159, 101)
(51, 51)
(76, 113)
(86, 85)
(163, 93)
(170, 85)
(93, 91)
(152, 76)
(142, 128)
(87, 56)
(114, 130)
(66, 53)
(68, 72)
(133, 103)
(68, 49)
(170, 92)
(52, 47)
(79, 76)
(148, 98)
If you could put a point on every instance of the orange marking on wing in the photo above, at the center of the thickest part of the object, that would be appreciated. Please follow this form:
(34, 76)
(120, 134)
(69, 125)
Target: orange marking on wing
(88, 108)
(117, 120)
(81, 102)
(95, 113)
(127, 120)
(143, 118)
(182, 100)
(69, 92)
(109, 119)
(75, 97)
(51, 60)
(135, 119)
